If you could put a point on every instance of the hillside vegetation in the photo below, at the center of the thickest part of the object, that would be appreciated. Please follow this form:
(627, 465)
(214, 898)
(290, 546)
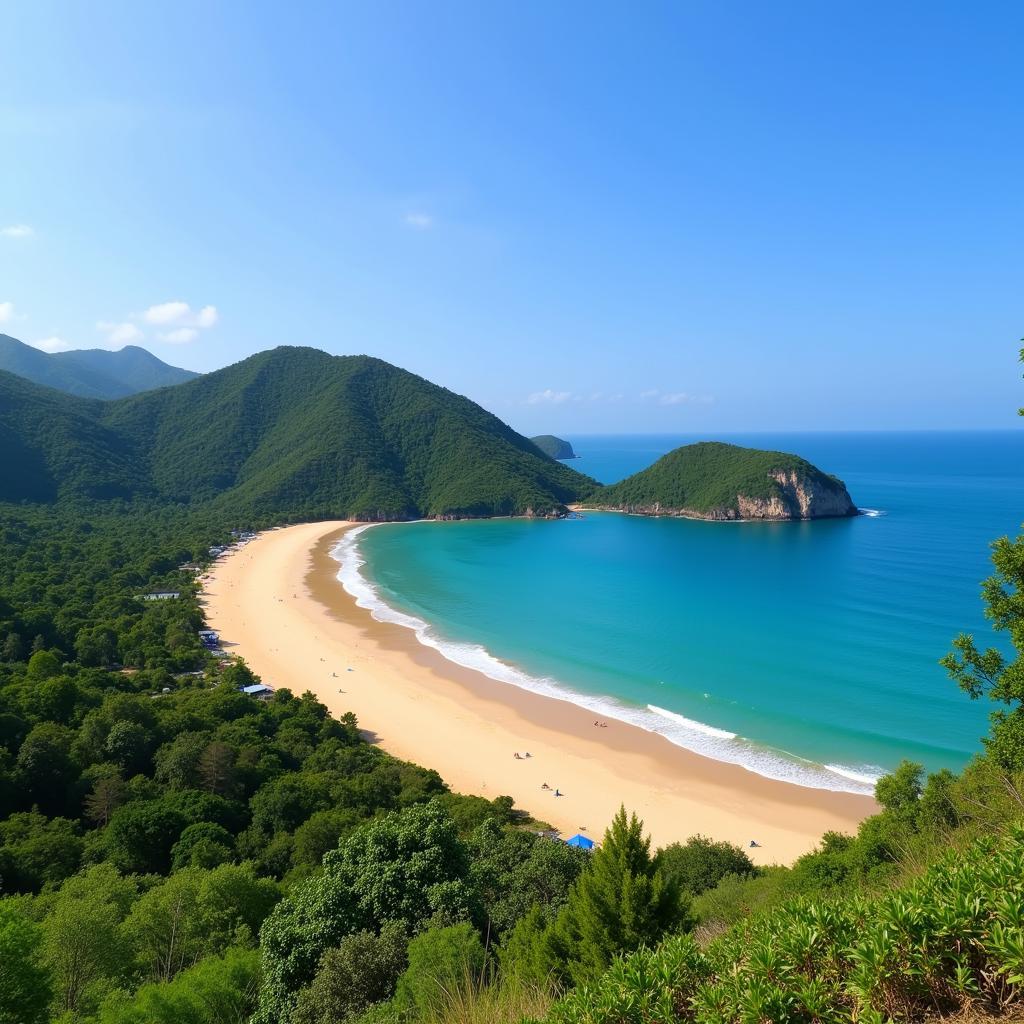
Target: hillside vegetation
(715, 480)
(293, 433)
(91, 373)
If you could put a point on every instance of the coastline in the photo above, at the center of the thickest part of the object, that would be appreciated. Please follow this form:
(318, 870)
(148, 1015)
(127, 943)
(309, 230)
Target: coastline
(277, 602)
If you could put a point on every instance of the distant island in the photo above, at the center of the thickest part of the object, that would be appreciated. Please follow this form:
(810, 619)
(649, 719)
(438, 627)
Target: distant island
(712, 480)
(554, 446)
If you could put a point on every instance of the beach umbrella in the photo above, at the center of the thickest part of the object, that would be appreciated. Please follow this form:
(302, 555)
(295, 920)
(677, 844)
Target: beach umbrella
(581, 841)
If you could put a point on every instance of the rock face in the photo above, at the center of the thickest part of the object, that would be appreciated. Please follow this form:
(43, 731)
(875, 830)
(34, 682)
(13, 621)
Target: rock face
(718, 481)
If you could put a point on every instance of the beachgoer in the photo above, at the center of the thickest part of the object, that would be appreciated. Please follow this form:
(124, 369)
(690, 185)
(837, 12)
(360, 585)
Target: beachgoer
(544, 785)
(557, 793)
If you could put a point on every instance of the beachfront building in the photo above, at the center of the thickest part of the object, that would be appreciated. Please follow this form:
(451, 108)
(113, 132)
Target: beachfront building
(581, 842)
(259, 691)
(161, 595)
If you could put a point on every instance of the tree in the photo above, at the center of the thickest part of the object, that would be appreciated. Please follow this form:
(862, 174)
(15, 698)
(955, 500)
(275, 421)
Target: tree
(37, 850)
(216, 767)
(127, 745)
(96, 645)
(44, 768)
(83, 942)
(701, 863)
(108, 793)
(140, 836)
(13, 649)
(623, 902)
(203, 845)
(442, 961)
(363, 969)
(408, 867)
(990, 673)
(24, 982)
(43, 664)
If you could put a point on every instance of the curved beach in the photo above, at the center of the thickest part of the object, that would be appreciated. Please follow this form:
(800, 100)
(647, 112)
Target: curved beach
(277, 603)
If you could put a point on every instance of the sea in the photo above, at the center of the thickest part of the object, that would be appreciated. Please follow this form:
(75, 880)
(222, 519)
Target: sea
(806, 652)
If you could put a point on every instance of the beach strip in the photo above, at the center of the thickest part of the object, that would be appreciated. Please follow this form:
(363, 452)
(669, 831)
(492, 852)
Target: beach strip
(276, 601)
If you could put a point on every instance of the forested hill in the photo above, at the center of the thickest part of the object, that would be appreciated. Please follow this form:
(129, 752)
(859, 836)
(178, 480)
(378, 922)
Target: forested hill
(712, 480)
(291, 433)
(91, 373)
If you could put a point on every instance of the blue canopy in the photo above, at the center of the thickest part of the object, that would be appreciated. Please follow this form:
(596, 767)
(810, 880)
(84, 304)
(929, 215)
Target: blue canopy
(581, 841)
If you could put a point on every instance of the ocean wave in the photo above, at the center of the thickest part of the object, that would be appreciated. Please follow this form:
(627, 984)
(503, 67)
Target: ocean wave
(872, 513)
(698, 737)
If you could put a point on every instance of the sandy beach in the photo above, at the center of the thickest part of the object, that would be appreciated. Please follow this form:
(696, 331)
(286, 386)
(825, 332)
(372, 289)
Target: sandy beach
(277, 603)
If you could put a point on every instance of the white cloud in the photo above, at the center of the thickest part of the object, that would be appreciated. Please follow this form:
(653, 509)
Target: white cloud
(6, 312)
(180, 336)
(180, 316)
(120, 333)
(207, 316)
(419, 221)
(652, 393)
(17, 231)
(167, 313)
(548, 395)
(51, 345)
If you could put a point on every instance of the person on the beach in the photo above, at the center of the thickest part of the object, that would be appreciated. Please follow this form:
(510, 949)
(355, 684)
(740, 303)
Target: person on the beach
(557, 793)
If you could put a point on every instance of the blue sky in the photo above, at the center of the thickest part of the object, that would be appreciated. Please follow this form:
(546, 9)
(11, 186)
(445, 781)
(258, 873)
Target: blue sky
(585, 216)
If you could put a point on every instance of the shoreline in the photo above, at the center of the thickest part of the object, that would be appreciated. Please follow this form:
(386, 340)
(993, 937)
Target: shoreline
(278, 603)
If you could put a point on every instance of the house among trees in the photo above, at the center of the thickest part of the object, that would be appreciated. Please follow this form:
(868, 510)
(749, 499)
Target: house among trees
(161, 595)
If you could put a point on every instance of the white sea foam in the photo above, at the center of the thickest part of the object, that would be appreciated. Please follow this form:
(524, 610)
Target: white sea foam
(689, 723)
(699, 737)
(871, 513)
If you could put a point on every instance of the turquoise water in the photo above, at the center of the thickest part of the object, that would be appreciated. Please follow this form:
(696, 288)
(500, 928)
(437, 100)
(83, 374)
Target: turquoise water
(804, 651)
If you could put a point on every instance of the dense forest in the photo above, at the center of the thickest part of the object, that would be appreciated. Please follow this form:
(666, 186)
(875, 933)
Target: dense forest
(175, 851)
(291, 433)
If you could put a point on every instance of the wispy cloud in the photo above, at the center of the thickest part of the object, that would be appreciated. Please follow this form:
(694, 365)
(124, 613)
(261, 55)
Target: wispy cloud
(51, 345)
(6, 312)
(674, 397)
(179, 336)
(419, 221)
(548, 395)
(17, 231)
(124, 333)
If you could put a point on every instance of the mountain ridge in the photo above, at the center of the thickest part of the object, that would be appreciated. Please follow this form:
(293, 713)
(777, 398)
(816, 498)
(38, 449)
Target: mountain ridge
(93, 372)
(290, 432)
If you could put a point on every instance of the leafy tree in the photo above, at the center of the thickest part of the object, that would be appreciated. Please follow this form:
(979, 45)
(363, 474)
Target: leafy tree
(442, 961)
(43, 664)
(140, 836)
(217, 990)
(363, 969)
(24, 982)
(203, 845)
(991, 673)
(35, 850)
(701, 863)
(623, 902)
(83, 942)
(407, 867)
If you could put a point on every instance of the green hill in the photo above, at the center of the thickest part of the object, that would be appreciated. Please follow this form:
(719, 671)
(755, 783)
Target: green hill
(554, 447)
(711, 480)
(90, 373)
(292, 432)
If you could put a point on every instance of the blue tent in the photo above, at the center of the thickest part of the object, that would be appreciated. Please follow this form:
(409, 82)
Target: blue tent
(581, 841)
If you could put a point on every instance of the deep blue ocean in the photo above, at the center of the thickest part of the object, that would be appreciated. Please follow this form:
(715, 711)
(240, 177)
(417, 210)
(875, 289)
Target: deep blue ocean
(804, 651)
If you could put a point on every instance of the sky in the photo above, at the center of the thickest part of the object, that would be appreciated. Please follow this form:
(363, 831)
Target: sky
(587, 217)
